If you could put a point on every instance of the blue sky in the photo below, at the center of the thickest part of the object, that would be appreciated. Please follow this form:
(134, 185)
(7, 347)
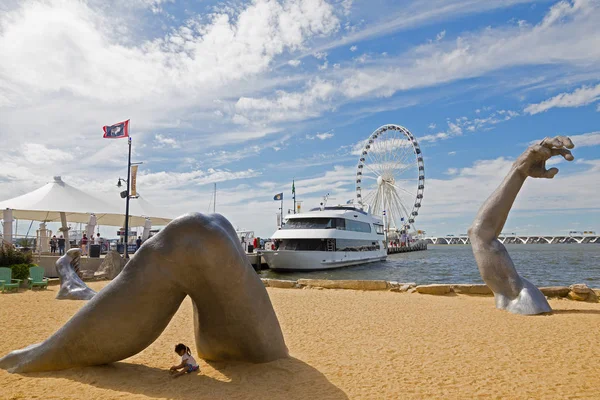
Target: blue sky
(251, 95)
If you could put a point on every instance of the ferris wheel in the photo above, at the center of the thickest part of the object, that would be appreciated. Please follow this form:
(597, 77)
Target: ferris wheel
(390, 177)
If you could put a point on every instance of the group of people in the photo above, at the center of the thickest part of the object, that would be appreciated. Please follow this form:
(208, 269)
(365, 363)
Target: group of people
(60, 243)
(57, 243)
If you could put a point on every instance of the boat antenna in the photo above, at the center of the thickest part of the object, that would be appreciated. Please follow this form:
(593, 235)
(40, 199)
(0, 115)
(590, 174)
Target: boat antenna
(324, 203)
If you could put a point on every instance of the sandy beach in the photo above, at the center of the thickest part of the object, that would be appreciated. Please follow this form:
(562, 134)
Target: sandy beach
(344, 344)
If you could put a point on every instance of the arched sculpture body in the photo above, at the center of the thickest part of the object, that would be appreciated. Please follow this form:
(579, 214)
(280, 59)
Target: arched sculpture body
(194, 255)
(71, 285)
(512, 292)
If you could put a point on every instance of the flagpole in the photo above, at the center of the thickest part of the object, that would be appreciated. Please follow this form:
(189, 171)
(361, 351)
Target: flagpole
(127, 200)
(294, 193)
(281, 211)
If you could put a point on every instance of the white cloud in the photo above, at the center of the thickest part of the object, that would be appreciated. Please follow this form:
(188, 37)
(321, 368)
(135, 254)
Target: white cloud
(587, 139)
(362, 59)
(321, 136)
(174, 180)
(92, 62)
(451, 153)
(580, 97)
(287, 106)
(583, 140)
(294, 63)
(420, 13)
(353, 48)
(432, 126)
(195, 57)
(459, 197)
(556, 41)
(162, 140)
(440, 36)
(154, 5)
(346, 6)
(457, 127)
(40, 154)
(324, 136)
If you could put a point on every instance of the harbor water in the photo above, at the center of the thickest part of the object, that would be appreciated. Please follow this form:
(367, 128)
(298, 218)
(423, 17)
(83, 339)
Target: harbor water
(544, 265)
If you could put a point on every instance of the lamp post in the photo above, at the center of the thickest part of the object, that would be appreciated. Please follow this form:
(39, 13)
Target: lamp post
(126, 194)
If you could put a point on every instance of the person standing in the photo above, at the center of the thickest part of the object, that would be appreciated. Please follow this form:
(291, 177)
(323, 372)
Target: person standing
(61, 245)
(53, 244)
(84, 245)
(138, 242)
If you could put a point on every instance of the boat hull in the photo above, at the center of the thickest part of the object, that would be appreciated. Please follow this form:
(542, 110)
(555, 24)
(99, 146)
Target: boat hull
(294, 260)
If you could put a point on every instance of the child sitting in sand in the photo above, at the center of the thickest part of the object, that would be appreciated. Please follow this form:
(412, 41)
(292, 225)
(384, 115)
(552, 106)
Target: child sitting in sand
(188, 363)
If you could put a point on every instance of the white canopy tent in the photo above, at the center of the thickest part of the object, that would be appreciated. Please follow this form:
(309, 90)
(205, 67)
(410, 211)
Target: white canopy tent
(58, 201)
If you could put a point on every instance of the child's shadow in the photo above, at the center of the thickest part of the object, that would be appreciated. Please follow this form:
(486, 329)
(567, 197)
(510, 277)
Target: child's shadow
(282, 379)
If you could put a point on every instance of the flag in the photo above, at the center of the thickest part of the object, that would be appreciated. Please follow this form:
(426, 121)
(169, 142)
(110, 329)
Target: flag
(116, 131)
(293, 188)
(278, 196)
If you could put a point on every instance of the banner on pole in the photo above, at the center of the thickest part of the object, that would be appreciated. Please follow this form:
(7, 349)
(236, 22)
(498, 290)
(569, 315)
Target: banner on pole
(278, 196)
(133, 191)
(116, 131)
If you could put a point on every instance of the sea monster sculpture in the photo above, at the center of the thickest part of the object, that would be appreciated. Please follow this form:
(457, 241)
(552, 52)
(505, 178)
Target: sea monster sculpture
(195, 255)
(71, 285)
(512, 292)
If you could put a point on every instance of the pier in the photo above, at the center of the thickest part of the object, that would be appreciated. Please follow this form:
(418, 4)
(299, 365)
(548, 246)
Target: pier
(418, 246)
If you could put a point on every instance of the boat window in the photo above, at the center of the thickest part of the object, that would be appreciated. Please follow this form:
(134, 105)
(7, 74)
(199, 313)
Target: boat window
(356, 245)
(357, 226)
(321, 245)
(379, 229)
(303, 244)
(315, 223)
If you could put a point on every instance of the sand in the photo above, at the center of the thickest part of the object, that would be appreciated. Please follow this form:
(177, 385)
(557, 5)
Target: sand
(344, 345)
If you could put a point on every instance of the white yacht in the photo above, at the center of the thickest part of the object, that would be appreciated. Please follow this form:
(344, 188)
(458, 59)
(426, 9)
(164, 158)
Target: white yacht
(327, 237)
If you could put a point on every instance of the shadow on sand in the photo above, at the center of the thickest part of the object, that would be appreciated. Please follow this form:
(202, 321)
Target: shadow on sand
(282, 379)
(597, 312)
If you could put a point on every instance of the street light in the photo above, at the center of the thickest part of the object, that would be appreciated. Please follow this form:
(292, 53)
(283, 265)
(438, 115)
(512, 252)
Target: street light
(125, 195)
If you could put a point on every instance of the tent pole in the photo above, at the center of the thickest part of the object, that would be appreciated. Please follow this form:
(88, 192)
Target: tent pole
(127, 200)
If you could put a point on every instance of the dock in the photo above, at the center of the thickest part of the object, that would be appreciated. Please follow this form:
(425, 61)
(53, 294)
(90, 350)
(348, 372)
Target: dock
(418, 246)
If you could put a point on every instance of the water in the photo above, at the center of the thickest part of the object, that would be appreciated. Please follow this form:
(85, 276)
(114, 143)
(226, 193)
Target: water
(544, 265)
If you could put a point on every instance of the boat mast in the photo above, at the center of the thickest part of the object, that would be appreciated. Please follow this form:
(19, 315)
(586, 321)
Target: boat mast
(215, 198)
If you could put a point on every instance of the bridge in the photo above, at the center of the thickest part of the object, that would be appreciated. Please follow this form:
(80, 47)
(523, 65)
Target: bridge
(520, 239)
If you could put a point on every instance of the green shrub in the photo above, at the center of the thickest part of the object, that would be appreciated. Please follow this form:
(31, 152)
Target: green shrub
(10, 256)
(20, 271)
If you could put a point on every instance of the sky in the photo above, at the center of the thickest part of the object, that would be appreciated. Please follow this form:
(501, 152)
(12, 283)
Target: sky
(251, 95)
